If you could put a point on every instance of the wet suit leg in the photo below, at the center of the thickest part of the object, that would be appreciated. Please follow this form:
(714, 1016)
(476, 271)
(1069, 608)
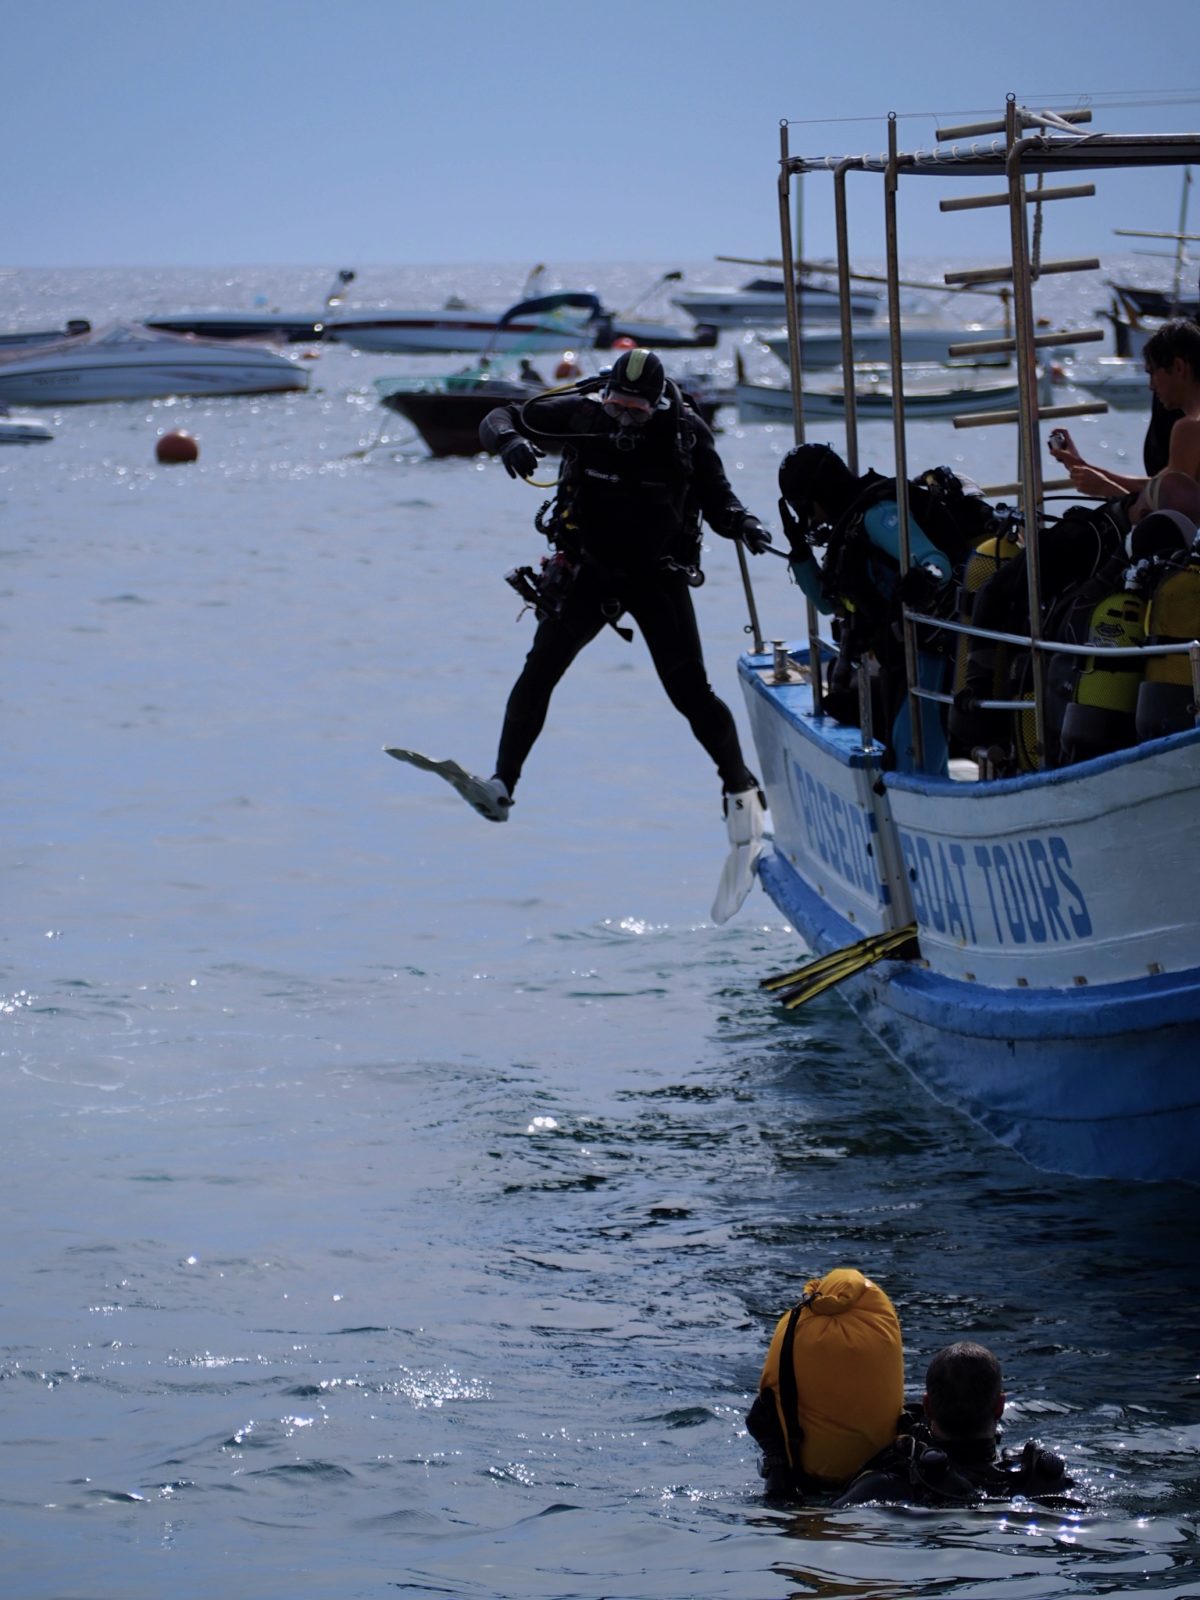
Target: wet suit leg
(556, 643)
(662, 608)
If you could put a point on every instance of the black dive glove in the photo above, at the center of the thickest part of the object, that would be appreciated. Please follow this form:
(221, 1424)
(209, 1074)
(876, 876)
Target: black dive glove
(922, 588)
(520, 458)
(796, 536)
(753, 535)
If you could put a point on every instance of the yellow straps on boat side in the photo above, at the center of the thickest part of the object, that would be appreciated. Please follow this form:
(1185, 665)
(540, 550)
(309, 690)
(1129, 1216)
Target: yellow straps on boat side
(816, 976)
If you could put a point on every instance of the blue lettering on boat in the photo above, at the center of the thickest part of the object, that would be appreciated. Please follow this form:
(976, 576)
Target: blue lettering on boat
(839, 832)
(1022, 892)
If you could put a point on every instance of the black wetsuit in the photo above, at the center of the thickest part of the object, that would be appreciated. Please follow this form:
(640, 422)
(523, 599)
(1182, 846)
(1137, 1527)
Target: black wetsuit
(627, 515)
(921, 1469)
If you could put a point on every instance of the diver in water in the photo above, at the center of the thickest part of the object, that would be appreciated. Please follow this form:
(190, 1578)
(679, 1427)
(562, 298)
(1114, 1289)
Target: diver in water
(639, 470)
(947, 1451)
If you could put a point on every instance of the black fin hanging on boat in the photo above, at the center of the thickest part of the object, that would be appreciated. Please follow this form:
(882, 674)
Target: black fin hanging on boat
(804, 983)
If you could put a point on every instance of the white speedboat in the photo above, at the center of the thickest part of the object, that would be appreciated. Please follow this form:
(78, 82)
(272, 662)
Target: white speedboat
(547, 322)
(822, 348)
(1119, 380)
(127, 361)
(260, 322)
(22, 430)
(929, 393)
(24, 338)
(762, 303)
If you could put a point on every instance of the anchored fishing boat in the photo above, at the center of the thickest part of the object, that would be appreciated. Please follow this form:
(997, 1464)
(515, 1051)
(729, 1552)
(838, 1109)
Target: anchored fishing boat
(1027, 945)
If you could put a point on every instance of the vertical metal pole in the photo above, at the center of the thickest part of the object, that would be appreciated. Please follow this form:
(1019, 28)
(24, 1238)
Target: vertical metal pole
(1030, 458)
(849, 390)
(1194, 661)
(1181, 246)
(744, 568)
(891, 184)
(789, 281)
(794, 370)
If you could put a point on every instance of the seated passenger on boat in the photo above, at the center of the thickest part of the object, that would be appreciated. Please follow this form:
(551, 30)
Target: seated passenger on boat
(947, 1451)
(1172, 357)
(832, 1386)
(857, 581)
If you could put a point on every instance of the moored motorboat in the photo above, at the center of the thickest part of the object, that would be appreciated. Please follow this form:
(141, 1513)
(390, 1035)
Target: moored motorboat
(263, 323)
(546, 322)
(446, 410)
(762, 303)
(25, 338)
(928, 395)
(129, 362)
(919, 342)
(1120, 380)
(534, 323)
(22, 430)
(1153, 302)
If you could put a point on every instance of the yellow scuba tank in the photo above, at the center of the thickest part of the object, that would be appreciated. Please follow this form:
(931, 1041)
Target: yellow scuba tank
(1165, 701)
(1100, 717)
(983, 563)
(981, 664)
(835, 1370)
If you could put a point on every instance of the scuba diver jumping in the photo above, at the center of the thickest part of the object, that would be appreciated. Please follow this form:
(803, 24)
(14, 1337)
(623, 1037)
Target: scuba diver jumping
(639, 471)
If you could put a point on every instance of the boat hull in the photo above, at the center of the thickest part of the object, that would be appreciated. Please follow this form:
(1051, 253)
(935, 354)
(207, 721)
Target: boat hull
(448, 419)
(1159, 302)
(76, 382)
(448, 416)
(451, 334)
(1057, 998)
(761, 402)
(821, 348)
(23, 430)
(300, 327)
(767, 308)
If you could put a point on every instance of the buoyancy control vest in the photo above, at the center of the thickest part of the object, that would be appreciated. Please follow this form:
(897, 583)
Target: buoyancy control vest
(918, 1469)
(832, 1385)
(859, 579)
(622, 504)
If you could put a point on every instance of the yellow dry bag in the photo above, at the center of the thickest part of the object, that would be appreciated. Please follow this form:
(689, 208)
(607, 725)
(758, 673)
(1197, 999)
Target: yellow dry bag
(835, 1371)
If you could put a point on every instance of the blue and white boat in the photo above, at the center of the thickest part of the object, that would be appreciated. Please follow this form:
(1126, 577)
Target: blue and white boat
(1053, 991)
(1056, 997)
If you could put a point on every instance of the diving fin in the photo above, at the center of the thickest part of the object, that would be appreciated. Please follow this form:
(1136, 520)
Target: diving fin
(813, 979)
(488, 796)
(745, 819)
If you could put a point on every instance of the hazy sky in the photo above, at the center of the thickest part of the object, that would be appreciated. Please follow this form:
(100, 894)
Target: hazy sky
(355, 132)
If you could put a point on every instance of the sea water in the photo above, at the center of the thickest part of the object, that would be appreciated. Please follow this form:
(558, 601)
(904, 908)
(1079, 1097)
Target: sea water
(397, 1203)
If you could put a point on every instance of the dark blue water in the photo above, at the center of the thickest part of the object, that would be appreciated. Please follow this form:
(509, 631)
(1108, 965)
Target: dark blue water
(397, 1203)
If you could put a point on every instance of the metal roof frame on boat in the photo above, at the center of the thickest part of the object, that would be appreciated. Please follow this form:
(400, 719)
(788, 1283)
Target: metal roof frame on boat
(1039, 153)
(1032, 144)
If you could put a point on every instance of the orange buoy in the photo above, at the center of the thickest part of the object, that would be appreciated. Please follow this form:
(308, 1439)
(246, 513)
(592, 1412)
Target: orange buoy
(568, 367)
(624, 343)
(176, 446)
